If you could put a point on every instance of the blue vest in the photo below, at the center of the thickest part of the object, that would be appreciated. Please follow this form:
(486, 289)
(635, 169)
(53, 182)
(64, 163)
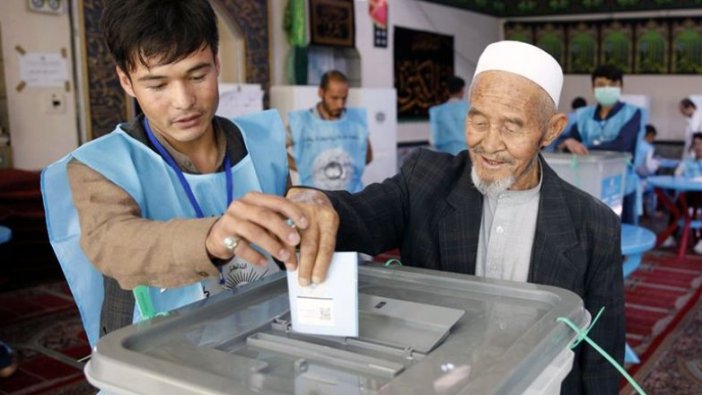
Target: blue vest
(594, 132)
(692, 168)
(642, 150)
(330, 154)
(155, 187)
(448, 126)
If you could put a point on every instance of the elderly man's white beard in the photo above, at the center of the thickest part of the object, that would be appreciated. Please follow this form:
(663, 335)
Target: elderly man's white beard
(491, 188)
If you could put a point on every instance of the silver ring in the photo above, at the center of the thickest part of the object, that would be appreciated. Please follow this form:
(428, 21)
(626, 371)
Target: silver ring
(291, 223)
(230, 243)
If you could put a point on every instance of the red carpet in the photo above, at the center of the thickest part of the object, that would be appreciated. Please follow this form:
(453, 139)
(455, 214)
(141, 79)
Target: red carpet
(43, 327)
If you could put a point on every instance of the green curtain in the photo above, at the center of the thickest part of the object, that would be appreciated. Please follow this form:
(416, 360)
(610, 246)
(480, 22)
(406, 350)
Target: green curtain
(294, 24)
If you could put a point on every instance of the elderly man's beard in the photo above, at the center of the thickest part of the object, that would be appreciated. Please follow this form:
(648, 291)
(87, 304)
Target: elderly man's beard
(491, 188)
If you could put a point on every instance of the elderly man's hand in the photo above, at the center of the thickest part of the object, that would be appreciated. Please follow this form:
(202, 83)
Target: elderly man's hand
(319, 238)
(574, 146)
(258, 219)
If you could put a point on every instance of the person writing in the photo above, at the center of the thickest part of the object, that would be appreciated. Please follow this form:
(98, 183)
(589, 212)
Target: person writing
(498, 210)
(178, 199)
(329, 143)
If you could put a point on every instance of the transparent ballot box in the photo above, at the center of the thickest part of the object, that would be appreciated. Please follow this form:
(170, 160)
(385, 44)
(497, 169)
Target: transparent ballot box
(602, 174)
(420, 332)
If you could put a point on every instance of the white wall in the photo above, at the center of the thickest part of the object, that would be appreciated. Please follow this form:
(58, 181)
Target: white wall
(38, 138)
(471, 31)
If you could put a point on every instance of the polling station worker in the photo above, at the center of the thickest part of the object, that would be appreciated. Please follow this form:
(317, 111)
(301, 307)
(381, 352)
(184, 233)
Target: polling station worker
(329, 144)
(447, 121)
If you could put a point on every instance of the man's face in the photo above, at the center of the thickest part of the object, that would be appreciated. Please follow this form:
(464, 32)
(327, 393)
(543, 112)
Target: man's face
(697, 147)
(334, 98)
(504, 129)
(686, 111)
(179, 99)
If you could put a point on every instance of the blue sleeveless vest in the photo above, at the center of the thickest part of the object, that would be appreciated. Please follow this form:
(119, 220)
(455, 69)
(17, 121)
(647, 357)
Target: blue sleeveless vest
(448, 126)
(594, 133)
(154, 186)
(330, 154)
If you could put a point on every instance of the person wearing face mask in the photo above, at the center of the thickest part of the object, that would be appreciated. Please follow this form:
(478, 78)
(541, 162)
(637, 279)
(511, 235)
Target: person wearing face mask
(609, 125)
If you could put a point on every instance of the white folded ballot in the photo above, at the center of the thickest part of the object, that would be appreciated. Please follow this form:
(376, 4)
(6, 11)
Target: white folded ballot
(329, 308)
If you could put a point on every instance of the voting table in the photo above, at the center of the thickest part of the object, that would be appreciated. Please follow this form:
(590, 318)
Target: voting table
(420, 332)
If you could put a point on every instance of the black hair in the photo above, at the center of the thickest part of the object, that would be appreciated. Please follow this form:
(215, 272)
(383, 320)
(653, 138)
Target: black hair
(650, 129)
(696, 135)
(170, 30)
(609, 72)
(577, 103)
(687, 102)
(455, 84)
(332, 75)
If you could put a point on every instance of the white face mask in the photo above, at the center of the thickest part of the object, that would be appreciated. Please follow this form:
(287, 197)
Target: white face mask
(608, 95)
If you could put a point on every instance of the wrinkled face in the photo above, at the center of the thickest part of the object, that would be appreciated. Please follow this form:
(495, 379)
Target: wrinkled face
(334, 98)
(505, 129)
(179, 99)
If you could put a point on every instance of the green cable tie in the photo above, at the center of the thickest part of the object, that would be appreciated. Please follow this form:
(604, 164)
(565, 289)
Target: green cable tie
(144, 303)
(390, 262)
(582, 335)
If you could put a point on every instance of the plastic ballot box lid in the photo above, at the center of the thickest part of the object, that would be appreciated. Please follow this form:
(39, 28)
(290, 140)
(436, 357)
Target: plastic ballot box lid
(420, 332)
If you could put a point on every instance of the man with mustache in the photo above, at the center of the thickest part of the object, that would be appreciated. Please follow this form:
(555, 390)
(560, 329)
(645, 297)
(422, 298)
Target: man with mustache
(498, 210)
(173, 199)
(329, 145)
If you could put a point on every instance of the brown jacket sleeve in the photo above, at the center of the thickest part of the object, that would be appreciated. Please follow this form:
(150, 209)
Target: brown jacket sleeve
(131, 249)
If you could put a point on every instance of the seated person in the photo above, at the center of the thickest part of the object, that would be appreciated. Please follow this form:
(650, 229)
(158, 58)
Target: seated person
(646, 165)
(447, 121)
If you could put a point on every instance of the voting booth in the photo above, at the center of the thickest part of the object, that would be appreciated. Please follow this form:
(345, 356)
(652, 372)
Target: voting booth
(420, 332)
(602, 174)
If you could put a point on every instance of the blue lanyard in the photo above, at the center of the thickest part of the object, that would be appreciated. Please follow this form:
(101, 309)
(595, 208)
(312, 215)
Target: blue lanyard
(186, 186)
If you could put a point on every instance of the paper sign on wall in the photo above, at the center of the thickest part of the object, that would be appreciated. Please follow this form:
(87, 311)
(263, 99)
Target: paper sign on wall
(43, 69)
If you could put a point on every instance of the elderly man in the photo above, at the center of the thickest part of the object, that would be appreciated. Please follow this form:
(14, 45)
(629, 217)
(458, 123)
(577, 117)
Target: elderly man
(498, 210)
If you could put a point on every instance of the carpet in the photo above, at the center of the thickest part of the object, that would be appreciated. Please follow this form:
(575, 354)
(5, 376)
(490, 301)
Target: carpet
(664, 324)
(42, 325)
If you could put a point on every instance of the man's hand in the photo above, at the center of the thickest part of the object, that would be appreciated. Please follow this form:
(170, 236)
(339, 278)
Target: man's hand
(258, 219)
(318, 239)
(574, 146)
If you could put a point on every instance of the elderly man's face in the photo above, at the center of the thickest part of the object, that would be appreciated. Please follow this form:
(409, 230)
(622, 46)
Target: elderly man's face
(505, 130)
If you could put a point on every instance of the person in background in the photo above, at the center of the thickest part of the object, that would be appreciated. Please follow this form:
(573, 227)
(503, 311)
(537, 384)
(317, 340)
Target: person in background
(328, 144)
(447, 121)
(577, 103)
(173, 199)
(610, 125)
(647, 165)
(498, 210)
(693, 118)
(8, 362)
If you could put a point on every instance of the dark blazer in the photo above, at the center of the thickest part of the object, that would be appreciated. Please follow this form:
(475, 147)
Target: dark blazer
(431, 210)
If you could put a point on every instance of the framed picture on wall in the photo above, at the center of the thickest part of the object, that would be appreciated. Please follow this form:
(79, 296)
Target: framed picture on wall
(617, 44)
(583, 46)
(332, 23)
(651, 46)
(423, 63)
(686, 46)
(551, 38)
(517, 31)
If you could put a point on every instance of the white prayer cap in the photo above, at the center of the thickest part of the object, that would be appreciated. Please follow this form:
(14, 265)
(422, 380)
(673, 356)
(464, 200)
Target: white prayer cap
(526, 60)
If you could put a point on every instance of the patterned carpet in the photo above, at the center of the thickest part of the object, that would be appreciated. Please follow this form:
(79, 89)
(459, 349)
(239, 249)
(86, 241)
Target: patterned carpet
(664, 324)
(42, 325)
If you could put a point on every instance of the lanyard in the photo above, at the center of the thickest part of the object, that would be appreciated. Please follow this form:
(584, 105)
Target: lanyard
(186, 186)
(181, 177)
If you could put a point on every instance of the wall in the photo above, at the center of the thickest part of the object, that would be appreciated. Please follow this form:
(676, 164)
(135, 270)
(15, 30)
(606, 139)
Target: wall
(38, 137)
(471, 31)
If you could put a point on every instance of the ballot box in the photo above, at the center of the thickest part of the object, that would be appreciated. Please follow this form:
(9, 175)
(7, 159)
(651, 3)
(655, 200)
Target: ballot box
(420, 332)
(602, 174)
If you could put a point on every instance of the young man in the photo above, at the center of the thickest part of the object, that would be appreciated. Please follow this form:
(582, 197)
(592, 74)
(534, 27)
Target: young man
(448, 120)
(610, 125)
(330, 146)
(498, 210)
(172, 199)
(693, 119)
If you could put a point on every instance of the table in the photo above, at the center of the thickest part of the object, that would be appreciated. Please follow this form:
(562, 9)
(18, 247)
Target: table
(635, 241)
(679, 185)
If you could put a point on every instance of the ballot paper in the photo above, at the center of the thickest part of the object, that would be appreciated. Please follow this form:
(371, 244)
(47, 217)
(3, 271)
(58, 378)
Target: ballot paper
(329, 308)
